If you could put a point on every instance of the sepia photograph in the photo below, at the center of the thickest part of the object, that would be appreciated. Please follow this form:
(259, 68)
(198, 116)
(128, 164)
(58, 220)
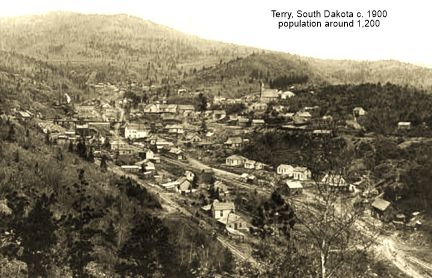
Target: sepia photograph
(215, 139)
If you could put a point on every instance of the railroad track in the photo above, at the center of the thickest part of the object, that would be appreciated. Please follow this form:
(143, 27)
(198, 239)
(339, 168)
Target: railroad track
(174, 205)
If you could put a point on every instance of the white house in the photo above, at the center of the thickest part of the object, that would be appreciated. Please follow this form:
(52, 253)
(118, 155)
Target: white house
(135, 131)
(285, 170)
(301, 173)
(249, 164)
(235, 160)
(221, 210)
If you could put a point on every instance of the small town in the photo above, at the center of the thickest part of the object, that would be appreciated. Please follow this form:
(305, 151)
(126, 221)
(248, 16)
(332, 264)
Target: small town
(275, 176)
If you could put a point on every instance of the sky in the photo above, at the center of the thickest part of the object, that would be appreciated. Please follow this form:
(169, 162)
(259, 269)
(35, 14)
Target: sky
(403, 35)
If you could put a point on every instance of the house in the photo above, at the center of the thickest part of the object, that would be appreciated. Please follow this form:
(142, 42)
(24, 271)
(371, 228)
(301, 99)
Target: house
(335, 182)
(235, 160)
(221, 210)
(219, 115)
(259, 165)
(243, 121)
(118, 144)
(190, 176)
(193, 138)
(149, 167)
(358, 112)
(221, 187)
(161, 143)
(285, 170)
(258, 107)
(152, 109)
(171, 186)
(248, 178)
(234, 142)
(234, 221)
(152, 156)
(134, 131)
(404, 125)
(131, 168)
(269, 95)
(380, 208)
(301, 173)
(85, 109)
(174, 129)
(294, 187)
(82, 130)
(169, 108)
(184, 185)
(353, 124)
(218, 100)
(128, 150)
(176, 154)
(287, 95)
(249, 164)
(302, 117)
(258, 122)
(185, 109)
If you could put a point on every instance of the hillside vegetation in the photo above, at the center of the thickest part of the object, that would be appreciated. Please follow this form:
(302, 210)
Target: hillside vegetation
(122, 48)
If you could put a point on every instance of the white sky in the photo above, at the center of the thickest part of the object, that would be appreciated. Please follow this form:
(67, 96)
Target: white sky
(404, 35)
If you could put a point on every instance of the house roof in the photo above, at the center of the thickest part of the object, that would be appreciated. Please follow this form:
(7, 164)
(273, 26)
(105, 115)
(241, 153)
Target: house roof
(192, 135)
(223, 206)
(236, 157)
(184, 184)
(186, 107)
(404, 123)
(303, 114)
(294, 184)
(334, 180)
(288, 94)
(175, 151)
(300, 169)
(270, 93)
(234, 140)
(285, 166)
(174, 126)
(222, 186)
(380, 204)
(258, 121)
(230, 219)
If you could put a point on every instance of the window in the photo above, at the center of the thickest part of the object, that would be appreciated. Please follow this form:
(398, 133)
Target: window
(221, 213)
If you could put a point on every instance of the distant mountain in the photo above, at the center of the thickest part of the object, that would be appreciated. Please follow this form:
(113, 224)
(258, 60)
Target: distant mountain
(281, 70)
(121, 48)
(121, 44)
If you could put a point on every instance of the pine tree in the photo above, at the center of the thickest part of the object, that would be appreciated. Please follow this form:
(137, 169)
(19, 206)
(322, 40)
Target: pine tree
(90, 155)
(11, 137)
(38, 236)
(103, 163)
(71, 147)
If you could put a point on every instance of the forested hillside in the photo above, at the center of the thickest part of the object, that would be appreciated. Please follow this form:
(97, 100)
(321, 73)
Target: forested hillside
(121, 48)
(62, 216)
(113, 45)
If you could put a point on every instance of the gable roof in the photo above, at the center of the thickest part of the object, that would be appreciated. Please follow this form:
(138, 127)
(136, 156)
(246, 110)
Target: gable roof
(380, 204)
(234, 140)
(285, 166)
(223, 206)
(270, 93)
(294, 184)
(236, 157)
(186, 107)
